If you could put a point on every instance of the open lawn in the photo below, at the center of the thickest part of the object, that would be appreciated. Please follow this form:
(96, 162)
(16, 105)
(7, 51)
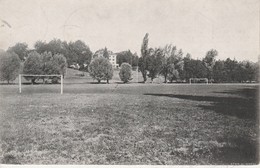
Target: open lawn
(129, 124)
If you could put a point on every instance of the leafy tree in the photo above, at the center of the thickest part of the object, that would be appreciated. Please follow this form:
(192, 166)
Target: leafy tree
(209, 61)
(134, 60)
(125, 73)
(10, 65)
(21, 49)
(48, 64)
(32, 66)
(106, 54)
(154, 62)
(124, 57)
(53, 64)
(101, 69)
(230, 69)
(173, 74)
(171, 56)
(83, 53)
(256, 72)
(251, 70)
(61, 62)
(128, 57)
(219, 73)
(142, 63)
(74, 52)
(41, 47)
(194, 69)
(165, 63)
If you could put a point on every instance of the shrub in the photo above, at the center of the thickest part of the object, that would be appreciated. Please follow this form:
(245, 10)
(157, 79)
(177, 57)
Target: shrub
(125, 73)
(10, 65)
(101, 69)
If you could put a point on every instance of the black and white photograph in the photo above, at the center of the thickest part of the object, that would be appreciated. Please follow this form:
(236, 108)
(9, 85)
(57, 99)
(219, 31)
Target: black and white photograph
(129, 82)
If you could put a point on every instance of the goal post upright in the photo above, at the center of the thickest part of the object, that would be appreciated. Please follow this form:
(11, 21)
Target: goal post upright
(20, 81)
(61, 82)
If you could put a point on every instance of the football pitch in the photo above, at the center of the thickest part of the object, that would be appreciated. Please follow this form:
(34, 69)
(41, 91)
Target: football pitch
(129, 124)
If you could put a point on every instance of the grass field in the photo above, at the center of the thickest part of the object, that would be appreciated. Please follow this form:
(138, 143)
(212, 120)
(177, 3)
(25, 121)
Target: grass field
(129, 124)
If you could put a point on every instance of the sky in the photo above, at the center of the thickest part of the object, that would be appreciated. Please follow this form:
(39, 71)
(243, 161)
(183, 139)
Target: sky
(195, 26)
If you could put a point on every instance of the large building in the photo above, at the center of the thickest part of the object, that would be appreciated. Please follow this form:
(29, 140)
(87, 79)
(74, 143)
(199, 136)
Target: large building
(112, 57)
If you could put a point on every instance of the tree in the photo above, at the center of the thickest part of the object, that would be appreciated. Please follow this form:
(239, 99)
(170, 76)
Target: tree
(62, 63)
(21, 49)
(32, 66)
(106, 54)
(125, 73)
(165, 63)
(83, 53)
(101, 69)
(41, 47)
(10, 65)
(219, 73)
(194, 68)
(74, 52)
(209, 61)
(53, 64)
(124, 57)
(142, 63)
(154, 62)
(230, 69)
(173, 74)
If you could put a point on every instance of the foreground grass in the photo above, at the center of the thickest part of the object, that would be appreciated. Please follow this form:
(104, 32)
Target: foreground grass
(129, 124)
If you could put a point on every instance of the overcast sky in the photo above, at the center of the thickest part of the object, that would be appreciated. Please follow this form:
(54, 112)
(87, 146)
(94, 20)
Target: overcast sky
(196, 26)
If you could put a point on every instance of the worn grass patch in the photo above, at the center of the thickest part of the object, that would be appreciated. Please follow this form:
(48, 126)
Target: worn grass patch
(129, 124)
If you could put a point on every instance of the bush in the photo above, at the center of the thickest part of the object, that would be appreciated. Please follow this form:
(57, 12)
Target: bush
(101, 69)
(10, 65)
(125, 73)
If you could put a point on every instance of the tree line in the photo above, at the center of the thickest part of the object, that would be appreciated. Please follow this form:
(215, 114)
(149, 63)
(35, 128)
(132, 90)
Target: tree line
(173, 66)
(168, 61)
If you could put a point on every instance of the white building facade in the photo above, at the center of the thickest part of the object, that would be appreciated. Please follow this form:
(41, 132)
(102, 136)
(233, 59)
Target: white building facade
(112, 57)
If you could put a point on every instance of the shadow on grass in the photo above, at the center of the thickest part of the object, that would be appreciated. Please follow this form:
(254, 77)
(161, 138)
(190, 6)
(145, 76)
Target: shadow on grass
(244, 107)
(246, 92)
(238, 150)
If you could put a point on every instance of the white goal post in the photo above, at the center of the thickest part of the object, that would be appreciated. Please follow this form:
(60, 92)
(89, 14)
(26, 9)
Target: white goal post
(198, 80)
(20, 80)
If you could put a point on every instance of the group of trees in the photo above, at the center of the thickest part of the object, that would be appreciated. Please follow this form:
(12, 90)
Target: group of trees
(46, 58)
(166, 61)
(44, 64)
(127, 57)
(34, 64)
(75, 52)
(170, 63)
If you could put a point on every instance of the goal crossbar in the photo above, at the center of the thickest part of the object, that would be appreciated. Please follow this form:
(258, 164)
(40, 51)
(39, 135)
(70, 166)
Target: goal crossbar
(28, 75)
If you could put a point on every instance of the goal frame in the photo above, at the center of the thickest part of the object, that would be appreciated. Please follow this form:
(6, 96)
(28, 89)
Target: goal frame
(206, 79)
(20, 81)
